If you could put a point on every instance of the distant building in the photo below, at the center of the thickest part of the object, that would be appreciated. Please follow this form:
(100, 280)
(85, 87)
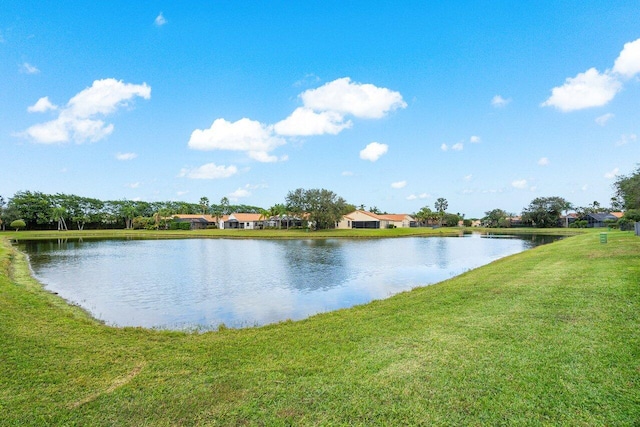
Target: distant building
(364, 219)
(198, 222)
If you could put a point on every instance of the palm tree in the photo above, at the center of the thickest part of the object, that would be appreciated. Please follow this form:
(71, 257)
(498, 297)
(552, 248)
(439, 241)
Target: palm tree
(441, 206)
(58, 213)
(204, 204)
(566, 207)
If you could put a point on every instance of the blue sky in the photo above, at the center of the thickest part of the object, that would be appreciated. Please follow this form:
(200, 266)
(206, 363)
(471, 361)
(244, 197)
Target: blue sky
(388, 104)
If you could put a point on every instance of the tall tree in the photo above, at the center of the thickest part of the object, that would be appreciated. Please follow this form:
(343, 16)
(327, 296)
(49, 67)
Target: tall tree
(58, 213)
(224, 206)
(495, 218)
(628, 190)
(441, 206)
(204, 205)
(324, 207)
(544, 212)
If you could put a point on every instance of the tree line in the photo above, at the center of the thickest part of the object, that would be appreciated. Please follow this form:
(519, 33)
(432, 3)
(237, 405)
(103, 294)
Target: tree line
(63, 211)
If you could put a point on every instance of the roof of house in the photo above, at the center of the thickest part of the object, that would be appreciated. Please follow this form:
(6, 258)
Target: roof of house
(617, 214)
(602, 216)
(377, 217)
(245, 217)
(195, 218)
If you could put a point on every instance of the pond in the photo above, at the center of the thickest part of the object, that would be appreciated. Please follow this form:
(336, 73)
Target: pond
(199, 284)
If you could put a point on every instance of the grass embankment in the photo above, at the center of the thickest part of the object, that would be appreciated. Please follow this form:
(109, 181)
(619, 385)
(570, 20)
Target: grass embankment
(282, 233)
(550, 336)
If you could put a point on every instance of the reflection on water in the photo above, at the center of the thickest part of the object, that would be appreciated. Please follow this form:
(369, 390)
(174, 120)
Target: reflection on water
(201, 283)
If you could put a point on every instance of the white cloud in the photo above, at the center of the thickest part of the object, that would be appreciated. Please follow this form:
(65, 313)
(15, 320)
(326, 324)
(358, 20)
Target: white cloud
(305, 122)
(347, 173)
(625, 139)
(520, 184)
(612, 174)
(444, 147)
(468, 177)
(43, 104)
(399, 184)
(209, 171)
(346, 97)
(585, 187)
(29, 69)
(459, 146)
(373, 151)
(182, 193)
(133, 185)
(239, 193)
(588, 89)
(498, 101)
(628, 62)
(474, 139)
(77, 119)
(126, 156)
(543, 161)
(418, 196)
(160, 20)
(246, 135)
(603, 119)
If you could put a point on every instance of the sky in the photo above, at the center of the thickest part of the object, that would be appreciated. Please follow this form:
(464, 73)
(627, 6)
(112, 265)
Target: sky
(388, 104)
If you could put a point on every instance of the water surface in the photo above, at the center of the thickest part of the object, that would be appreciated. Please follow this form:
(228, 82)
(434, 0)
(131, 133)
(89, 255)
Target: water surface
(202, 283)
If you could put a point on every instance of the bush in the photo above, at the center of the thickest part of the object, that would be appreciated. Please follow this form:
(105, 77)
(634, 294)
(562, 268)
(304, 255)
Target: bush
(18, 224)
(175, 225)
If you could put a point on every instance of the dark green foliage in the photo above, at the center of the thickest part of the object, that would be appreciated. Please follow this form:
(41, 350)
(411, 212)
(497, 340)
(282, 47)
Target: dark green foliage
(544, 212)
(324, 207)
(628, 190)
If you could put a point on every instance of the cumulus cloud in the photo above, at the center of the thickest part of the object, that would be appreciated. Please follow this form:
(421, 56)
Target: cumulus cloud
(628, 62)
(588, 89)
(133, 185)
(347, 97)
(77, 120)
(126, 156)
(444, 147)
(160, 20)
(373, 151)
(612, 174)
(29, 69)
(498, 101)
(475, 139)
(593, 88)
(603, 119)
(209, 171)
(306, 122)
(43, 104)
(399, 184)
(468, 177)
(520, 184)
(253, 137)
(347, 173)
(323, 112)
(543, 161)
(239, 193)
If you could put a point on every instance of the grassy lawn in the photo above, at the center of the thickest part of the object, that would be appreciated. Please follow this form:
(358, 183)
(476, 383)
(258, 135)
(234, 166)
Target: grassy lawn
(550, 336)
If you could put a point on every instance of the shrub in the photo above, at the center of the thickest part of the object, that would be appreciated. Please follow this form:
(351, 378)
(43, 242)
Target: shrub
(18, 224)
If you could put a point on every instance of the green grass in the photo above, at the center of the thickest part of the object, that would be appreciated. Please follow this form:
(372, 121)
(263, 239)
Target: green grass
(282, 234)
(550, 336)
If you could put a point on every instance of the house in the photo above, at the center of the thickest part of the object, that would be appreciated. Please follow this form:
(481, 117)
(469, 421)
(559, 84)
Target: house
(598, 220)
(198, 222)
(246, 221)
(364, 219)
